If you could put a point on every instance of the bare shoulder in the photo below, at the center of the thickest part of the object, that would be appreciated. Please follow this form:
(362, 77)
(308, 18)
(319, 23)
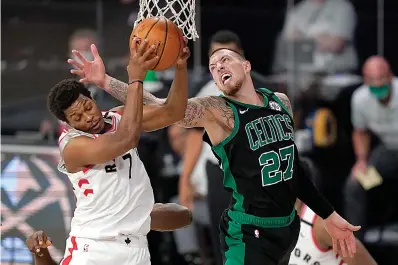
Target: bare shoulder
(285, 100)
(209, 101)
(72, 149)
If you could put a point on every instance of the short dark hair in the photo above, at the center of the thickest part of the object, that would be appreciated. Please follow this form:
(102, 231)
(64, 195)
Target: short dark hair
(225, 37)
(241, 56)
(63, 95)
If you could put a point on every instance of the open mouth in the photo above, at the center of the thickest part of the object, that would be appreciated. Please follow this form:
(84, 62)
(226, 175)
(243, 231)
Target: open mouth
(225, 78)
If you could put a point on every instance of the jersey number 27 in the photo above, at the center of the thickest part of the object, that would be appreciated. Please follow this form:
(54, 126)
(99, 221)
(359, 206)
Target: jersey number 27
(271, 172)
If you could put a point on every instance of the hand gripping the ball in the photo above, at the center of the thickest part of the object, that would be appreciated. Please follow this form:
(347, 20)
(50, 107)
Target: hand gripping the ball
(141, 59)
(184, 55)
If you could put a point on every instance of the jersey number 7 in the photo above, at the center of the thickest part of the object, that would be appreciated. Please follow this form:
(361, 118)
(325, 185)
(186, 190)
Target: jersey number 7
(271, 172)
(112, 168)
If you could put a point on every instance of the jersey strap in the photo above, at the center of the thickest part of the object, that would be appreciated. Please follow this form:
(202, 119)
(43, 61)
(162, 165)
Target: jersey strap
(277, 99)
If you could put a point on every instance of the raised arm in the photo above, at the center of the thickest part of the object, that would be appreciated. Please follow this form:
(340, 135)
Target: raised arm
(161, 113)
(82, 151)
(197, 110)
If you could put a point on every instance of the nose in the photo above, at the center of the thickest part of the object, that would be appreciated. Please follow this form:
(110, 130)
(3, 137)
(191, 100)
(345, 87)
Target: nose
(220, 67)
(89, 118)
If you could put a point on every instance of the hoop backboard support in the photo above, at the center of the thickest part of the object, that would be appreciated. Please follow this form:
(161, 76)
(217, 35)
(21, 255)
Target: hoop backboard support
(181, 12)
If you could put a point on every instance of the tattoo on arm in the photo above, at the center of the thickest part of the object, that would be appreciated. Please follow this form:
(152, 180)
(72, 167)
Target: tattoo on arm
(285, 100)
(199, 109)
(118, 90)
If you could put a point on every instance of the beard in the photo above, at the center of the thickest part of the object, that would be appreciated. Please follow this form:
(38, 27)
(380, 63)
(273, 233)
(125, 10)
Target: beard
(232, 89)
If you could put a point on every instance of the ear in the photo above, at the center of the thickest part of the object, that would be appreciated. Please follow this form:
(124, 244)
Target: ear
(247, 66)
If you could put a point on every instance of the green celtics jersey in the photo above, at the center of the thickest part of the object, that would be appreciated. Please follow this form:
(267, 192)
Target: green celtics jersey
(259, 158)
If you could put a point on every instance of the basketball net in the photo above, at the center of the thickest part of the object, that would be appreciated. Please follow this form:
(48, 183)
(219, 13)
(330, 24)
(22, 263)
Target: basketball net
(181, 12)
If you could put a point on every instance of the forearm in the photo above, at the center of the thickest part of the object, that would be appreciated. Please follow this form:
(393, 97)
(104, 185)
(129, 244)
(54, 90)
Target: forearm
(130, 124)
(170, 216)
(361, 142)
(118, 90)
(45, 259)
(177, 97)
(191, 154)
(309, 194)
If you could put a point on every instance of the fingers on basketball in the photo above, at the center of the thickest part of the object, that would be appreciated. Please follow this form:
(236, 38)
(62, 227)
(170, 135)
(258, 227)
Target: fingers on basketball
(166, 37)
(133, 46)
(141, 48)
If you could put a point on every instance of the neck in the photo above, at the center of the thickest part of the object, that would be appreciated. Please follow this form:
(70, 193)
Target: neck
(247, 94)
(387, 99)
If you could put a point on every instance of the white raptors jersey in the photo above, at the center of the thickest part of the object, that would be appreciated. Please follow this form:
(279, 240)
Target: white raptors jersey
(307, 250)
(113, 198)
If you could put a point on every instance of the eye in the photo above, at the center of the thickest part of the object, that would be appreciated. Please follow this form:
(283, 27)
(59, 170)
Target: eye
(77, 118)
(211, 68)
(225, 59)
(89, 107)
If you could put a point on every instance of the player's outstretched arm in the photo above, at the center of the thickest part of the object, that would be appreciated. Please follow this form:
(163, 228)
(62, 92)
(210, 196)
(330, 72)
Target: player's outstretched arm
(338, 228)
(83, 151)
(38, 244)
(161, 114)
(169, 216)
(94, 72)
(361, 257)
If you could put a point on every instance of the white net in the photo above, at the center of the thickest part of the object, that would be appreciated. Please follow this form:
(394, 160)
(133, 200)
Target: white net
(181, 12)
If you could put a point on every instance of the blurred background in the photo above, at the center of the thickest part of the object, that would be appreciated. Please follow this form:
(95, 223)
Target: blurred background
(313, 50)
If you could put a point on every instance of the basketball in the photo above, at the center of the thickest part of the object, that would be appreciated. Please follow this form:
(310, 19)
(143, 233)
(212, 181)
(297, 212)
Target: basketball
(165, 35)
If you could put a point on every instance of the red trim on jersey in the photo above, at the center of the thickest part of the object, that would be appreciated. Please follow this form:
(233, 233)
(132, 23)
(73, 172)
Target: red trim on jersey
(118, 112)
(341, 262)
(88, 191)
(314, 238)
(113, 125)
(82, 182)
(86, 169)
(68, 259)
(64, 131)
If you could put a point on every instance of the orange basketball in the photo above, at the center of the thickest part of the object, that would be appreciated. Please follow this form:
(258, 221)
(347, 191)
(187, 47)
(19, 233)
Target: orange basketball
(167, 37)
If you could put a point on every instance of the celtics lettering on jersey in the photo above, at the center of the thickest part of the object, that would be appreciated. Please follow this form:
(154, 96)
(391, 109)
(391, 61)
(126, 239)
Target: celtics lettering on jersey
(257, 155)
(267, 130)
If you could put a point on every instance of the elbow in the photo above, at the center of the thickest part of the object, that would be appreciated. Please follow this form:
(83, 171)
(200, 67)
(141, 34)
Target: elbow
(186, 215)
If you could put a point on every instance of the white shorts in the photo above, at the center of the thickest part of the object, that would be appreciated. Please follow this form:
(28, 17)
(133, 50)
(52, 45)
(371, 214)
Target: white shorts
(123, 250)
